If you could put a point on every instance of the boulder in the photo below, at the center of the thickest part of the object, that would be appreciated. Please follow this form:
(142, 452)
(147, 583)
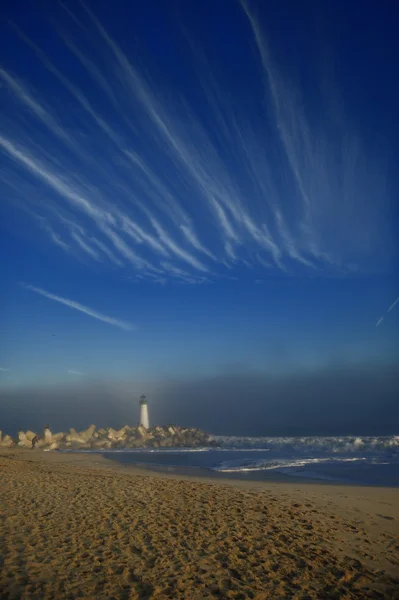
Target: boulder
(25, 443)
(129, 429)
(88, 433)
(74, 437)
(81, 445)
(166, 442)
(7, 442)
(131, 442)
(98, 444)
(116, 434)
(166, 436)
(48, 436)
(133, 433)
(142, 431)
(119, 444)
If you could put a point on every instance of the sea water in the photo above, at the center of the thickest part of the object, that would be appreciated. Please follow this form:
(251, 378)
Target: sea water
(350, 459)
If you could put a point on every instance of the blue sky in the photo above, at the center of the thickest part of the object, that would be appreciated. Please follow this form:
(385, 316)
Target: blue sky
(188, 188)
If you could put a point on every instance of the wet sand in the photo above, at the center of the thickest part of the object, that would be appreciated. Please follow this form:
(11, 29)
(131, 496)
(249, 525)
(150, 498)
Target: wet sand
(81, 526)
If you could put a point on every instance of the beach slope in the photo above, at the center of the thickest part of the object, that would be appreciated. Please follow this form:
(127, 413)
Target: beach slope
(83, 527)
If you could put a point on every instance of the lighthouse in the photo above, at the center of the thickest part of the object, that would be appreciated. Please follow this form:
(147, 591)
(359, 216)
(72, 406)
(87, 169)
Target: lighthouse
(144, 421)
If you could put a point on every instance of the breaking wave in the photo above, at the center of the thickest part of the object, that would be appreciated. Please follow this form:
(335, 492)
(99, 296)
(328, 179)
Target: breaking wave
(346, 458)
(138, 450)
(281, 464)
(328, 445)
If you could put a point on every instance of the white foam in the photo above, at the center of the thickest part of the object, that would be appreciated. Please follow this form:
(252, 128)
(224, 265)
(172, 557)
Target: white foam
(162, 450)
(232, 467)
(316, 444)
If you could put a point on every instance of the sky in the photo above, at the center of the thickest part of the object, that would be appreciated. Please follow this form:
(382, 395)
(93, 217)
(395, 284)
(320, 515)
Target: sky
(198, 201)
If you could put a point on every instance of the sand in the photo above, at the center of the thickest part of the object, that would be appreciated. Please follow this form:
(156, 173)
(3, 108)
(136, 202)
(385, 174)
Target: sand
(79, 526)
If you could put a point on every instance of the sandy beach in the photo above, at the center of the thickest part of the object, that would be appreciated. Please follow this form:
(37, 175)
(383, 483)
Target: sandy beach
(81, 526)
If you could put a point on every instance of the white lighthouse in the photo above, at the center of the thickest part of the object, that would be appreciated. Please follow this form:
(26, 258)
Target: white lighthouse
(144, 420)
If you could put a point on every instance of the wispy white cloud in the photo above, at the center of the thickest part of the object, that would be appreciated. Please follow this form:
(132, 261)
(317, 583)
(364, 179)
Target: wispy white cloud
(102, 218)
(54, 236)
(382, 319)
(55, 182)
(288, 241)
(4, 369)
(173, 196)
(72, 89)
(160, 193)
(123, 248)
(393, 304)
(80, 307)
(73, 372)
(182, 275)
(57, 240)
(141, 236)
(175, 248)
(332, 175)
(165, 127)
(280, 97)
(25, 97)
(107, 252)
(85, 246)
(229, 249)
(191, 236)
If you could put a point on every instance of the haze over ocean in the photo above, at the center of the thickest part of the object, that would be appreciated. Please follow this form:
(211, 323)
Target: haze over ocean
(199, 203)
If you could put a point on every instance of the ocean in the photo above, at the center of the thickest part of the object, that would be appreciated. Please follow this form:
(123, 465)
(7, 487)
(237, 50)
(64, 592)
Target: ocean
(349, 460)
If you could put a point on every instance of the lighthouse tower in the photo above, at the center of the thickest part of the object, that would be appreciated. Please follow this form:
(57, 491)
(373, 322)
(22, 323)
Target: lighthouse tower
(144, 421)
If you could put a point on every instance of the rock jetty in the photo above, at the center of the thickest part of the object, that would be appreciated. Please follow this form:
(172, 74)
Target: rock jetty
(166, 436)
